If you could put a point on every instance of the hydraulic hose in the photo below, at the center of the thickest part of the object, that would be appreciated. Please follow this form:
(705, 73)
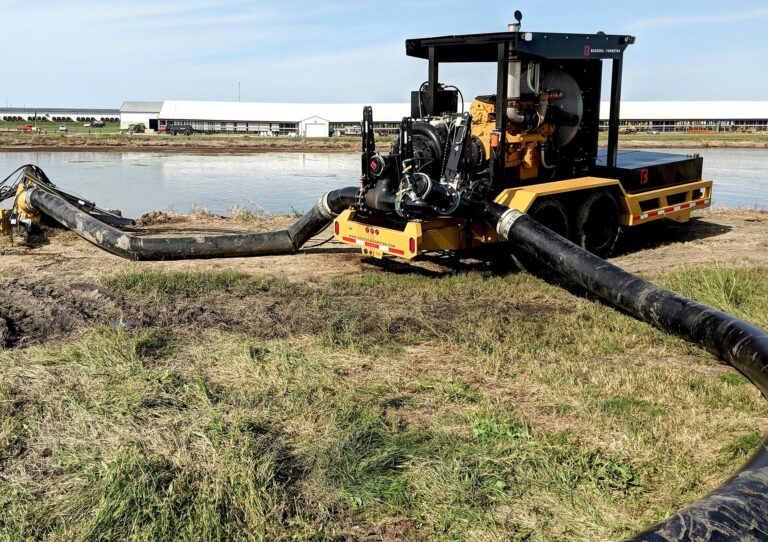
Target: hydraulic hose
(134, 247)
(738, 509)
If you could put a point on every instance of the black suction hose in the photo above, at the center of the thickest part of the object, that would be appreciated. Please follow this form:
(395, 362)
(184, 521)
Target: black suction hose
(738, 509)
(133, 247)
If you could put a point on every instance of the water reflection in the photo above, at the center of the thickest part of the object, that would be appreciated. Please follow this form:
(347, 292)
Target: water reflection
(141, 182)
(283, 182)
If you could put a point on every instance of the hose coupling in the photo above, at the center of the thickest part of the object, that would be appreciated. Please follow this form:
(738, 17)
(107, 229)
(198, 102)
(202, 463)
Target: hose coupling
(325, 207)
(506, 221)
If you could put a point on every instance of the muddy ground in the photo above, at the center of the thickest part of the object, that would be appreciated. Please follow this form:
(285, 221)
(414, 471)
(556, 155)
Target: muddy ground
(55, 285)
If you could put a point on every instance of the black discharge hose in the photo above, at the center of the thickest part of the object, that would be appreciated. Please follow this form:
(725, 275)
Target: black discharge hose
(133, 247)
(738, 509)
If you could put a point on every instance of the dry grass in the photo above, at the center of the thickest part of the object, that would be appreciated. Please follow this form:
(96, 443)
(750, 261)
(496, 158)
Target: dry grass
(749, 213)
(462, 408)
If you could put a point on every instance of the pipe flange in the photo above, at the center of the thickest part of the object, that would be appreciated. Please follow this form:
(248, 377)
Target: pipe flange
(506, 222)
(454, 204)
(27, 195)
(429, 183)
(325, 208)
(23, 203)
(399, 205)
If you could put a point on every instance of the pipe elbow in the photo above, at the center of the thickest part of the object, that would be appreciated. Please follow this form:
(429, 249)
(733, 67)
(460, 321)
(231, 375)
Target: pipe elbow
(333, 203)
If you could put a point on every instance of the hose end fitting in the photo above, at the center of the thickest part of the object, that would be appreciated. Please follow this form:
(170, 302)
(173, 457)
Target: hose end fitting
(506, 221)
(27, 197)
(24, 201)
(325, 208)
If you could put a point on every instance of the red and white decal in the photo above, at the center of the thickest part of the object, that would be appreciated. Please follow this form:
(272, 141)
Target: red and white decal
(375, 246)
(673, 209)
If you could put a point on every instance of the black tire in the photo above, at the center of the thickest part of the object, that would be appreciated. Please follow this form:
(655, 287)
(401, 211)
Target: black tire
(551, 213)
(596, 226)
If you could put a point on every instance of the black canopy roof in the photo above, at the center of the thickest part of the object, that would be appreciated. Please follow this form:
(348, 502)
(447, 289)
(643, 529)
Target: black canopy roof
(484, 47)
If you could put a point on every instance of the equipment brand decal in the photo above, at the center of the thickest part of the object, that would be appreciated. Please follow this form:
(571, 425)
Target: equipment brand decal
(375, 246)
(588, 50)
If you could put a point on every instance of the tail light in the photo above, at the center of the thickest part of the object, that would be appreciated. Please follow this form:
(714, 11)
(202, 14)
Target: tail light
(412, 244)
(336, 227)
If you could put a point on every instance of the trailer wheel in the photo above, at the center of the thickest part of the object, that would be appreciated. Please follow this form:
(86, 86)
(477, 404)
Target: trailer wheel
(551, 213)
(596, 227)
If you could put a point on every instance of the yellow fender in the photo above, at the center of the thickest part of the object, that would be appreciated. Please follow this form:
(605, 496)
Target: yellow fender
(523, 198)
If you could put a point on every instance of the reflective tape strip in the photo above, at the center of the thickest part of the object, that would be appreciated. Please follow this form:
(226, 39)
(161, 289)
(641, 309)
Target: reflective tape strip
(674, 208)
(374, 246)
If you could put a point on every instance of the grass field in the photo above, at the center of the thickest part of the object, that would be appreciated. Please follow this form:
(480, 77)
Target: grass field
(468, 407)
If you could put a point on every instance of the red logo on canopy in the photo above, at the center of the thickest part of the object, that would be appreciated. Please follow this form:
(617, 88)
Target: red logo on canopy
(587, 50)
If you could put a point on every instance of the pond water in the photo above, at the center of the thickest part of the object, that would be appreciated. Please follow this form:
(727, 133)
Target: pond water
(280, 183)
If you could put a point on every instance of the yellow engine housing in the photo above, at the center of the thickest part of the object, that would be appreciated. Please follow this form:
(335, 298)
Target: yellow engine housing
(523, 156)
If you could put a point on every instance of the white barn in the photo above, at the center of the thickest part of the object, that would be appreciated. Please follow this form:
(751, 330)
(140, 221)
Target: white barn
(260, 118)
(58, 114)
(691, 116)
(140, 112)
(314, 120)
(314, 127)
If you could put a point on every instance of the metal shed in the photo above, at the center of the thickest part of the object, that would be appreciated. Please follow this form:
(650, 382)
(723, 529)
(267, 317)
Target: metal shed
(314, 127)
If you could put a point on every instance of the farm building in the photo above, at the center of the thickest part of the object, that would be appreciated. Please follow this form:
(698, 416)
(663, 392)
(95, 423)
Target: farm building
(58, 114)
(145, 113)
(310, 120)
(314, 127)
(321, 120)
(690, 116)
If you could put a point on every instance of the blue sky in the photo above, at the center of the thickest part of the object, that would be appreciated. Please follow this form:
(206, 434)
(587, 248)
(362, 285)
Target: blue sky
(99, 53)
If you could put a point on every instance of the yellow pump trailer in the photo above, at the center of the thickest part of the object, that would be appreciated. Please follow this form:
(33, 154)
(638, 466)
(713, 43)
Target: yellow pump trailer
(532, 146)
